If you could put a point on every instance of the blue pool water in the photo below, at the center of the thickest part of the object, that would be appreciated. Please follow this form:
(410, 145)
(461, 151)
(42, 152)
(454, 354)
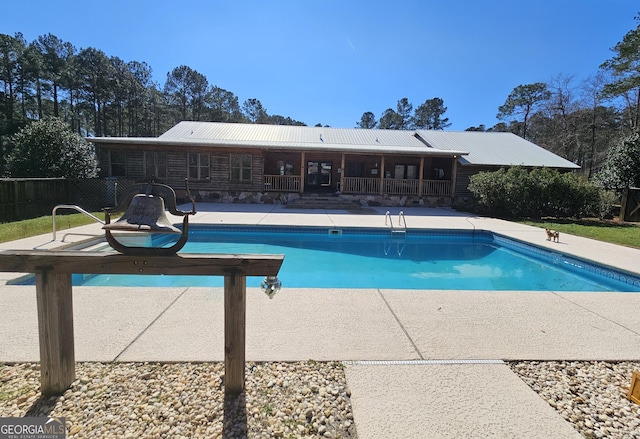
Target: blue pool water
(374, 258)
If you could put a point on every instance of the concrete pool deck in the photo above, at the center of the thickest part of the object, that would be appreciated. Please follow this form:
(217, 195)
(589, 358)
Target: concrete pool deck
(415, 358)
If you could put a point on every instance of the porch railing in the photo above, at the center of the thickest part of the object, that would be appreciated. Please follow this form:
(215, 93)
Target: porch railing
(436, 188)
(358, 185)
(401, 186)
(393, 186)
(281, 183)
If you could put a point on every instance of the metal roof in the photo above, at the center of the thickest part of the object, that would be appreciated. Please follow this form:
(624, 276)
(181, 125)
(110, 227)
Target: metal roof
(300, 137)
(471, 147)
(494, 148)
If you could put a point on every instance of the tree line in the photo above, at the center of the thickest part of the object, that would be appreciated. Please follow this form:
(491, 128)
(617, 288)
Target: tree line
(100, 95)
(581, 122)
(427, 116)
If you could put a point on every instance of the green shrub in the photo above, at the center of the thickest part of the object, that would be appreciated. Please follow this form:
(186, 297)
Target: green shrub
(536, 193)
(608, 199)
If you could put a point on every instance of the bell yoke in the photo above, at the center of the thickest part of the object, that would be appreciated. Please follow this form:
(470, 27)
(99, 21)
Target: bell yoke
(144, 211)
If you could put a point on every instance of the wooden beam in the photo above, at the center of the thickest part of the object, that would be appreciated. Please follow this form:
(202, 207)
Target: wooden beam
(235, 309)
(55, 327)
(33, 261)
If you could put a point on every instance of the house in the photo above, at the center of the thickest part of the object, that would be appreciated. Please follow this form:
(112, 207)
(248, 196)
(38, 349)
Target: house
(490, 151)
(281, 163)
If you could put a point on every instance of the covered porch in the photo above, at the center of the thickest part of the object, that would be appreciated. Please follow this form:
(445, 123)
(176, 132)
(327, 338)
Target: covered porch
(364, 174)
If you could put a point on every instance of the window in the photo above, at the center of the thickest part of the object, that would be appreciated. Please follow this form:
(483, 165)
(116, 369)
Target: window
(155, 164)
(117, 160)
(198, 165)
(240, 167)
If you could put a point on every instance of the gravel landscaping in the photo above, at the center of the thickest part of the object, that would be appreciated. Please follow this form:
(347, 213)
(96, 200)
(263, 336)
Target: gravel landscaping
(288, 400)
(590, 395)
(186, 400)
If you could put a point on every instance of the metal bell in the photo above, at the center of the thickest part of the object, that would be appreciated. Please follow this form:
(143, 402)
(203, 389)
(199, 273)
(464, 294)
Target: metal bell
(145, 213)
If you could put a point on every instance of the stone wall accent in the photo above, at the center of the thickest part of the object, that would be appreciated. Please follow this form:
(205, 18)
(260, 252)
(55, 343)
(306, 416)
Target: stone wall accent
(286, 198)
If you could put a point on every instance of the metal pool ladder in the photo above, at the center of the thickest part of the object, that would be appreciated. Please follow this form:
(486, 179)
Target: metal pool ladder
(398, 234)
(402, 223)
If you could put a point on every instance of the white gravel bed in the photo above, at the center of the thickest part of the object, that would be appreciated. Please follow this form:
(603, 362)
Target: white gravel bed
(591, 395)
(186, 400)
(288, 400)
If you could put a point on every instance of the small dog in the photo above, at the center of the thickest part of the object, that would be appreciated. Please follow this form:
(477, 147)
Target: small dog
(553, 235)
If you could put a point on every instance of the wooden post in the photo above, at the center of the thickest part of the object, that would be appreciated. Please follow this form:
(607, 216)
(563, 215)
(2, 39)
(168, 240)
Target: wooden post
(342, 171)
(55, 327)
(235, 309)
(421, 177)
(55, 307)
(454, 177)
(16, 202)
(382, 175)
(303, 171)
(623, 205)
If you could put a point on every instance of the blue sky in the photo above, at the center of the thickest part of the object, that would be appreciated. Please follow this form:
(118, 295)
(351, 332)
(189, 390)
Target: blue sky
(330, 61)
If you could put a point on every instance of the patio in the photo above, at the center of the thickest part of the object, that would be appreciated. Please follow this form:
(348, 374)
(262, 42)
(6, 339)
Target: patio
(397, 390)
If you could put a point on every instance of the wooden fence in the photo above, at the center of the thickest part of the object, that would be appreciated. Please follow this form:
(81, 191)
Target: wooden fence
(22, 198)
(630, 210)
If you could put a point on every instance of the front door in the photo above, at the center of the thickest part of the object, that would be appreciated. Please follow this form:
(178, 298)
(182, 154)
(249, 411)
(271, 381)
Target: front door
(319, 175)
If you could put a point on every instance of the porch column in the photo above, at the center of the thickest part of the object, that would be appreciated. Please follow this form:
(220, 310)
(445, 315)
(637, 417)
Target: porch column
(454, 176)
(303, 168)
(382, 175)
(342, 172)
(420, 178)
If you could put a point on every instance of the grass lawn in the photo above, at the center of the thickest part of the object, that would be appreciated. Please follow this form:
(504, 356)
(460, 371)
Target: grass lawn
(44, 224)
(627, 234)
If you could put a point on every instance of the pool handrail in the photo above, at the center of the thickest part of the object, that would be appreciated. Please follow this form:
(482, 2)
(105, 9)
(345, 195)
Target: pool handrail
(73, 207)
(387, 217)
(402, 222)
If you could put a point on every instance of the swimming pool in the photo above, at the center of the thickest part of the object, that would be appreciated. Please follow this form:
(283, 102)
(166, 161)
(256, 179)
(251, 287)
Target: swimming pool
(317, 257)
